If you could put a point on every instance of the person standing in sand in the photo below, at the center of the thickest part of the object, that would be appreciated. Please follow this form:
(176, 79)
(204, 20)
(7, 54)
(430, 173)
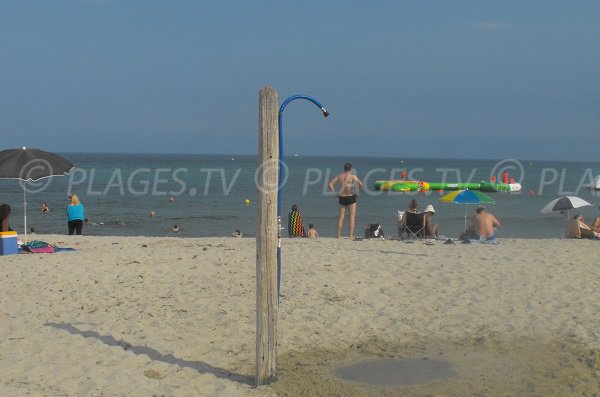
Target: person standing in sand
(346, 197)
(75, 215)
(484, 224)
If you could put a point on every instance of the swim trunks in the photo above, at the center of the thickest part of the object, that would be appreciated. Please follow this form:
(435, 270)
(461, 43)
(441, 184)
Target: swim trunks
(347, 200)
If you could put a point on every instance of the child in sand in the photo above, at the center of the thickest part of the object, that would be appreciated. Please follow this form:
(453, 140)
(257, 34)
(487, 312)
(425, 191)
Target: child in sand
(312, 232)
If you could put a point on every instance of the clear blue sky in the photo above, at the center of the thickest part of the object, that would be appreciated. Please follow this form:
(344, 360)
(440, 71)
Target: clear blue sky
(461, 79)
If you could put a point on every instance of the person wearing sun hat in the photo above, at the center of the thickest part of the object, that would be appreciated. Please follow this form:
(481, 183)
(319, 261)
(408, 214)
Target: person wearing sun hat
(431, 230)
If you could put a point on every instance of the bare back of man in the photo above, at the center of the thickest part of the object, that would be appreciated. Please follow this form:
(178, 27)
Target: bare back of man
(346, 197)
(484, 224)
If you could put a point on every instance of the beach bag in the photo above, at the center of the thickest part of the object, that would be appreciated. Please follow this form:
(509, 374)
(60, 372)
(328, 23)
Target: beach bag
(374, 230)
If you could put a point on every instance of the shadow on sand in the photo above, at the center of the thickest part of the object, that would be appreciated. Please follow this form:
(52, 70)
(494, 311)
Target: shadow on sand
(155, 355)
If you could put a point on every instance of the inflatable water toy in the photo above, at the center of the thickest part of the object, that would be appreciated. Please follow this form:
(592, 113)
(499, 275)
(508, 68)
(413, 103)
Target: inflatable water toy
(422, 186)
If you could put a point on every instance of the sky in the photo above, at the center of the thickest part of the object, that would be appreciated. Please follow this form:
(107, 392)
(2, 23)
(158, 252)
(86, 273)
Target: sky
(431, 79)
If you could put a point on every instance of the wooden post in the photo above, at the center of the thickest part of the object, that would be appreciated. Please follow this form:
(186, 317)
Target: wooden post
(266, 237)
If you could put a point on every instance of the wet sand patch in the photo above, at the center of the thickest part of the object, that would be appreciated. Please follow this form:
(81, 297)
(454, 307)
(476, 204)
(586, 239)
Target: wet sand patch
(481, 366)
(396, 372)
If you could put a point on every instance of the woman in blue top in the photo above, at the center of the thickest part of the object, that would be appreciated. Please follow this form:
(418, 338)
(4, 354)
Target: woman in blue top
(75, 215)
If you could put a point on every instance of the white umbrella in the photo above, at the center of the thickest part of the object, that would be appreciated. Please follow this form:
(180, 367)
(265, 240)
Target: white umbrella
(564, 203)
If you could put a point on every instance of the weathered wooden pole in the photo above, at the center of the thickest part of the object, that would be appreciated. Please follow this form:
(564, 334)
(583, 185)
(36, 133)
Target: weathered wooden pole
(267, 175)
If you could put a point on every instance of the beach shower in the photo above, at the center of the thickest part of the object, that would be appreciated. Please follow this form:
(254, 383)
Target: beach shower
(280, 180)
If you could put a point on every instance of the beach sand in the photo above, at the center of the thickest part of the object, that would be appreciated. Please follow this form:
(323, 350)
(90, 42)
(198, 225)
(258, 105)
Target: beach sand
(140, 316)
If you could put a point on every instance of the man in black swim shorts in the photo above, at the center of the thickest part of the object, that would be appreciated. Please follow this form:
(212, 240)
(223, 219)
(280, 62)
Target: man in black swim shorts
(346, 197)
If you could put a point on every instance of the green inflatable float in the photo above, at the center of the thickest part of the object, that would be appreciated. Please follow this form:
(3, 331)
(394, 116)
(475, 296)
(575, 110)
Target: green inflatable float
(422, 186)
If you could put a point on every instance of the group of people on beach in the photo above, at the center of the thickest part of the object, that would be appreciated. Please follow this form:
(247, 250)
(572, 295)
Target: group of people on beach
(483, 224)
(75, 213)
(296, 228)
(349, 186)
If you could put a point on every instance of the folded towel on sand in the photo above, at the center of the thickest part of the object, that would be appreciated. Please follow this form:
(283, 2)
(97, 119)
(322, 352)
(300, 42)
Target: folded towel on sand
(41, 247)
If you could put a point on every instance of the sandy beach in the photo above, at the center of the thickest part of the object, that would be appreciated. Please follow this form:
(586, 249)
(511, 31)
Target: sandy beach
(141, 316)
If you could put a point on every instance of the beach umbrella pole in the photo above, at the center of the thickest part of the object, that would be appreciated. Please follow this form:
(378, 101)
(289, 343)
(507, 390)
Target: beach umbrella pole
(25, 211)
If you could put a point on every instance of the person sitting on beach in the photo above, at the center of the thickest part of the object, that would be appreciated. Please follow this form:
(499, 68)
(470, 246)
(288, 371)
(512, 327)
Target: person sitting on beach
(295, 228)
(412, 207)
(577, 228)
(431, 229)
(5, 211)
(484, 224)
(237, 233)
(595, 226)
(312, 232)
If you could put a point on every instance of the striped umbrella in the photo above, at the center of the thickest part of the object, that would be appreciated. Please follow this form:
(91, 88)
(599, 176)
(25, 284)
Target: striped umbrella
(466, 197)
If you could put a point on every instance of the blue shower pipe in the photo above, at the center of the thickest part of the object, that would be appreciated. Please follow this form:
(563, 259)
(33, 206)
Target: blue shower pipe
(280, 183)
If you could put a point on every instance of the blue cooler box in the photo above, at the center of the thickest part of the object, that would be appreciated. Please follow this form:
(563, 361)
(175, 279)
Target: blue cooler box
(8, 243)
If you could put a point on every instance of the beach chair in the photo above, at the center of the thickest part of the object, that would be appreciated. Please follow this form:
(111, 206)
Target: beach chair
(414, 225)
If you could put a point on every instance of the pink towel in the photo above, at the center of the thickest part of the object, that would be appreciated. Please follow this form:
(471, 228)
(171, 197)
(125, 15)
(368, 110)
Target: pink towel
(42, 250)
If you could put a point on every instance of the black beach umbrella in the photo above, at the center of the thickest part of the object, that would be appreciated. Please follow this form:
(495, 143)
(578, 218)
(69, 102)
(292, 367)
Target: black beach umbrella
(31, 165)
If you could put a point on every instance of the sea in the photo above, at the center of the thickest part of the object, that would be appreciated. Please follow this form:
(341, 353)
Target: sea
(214, 195)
